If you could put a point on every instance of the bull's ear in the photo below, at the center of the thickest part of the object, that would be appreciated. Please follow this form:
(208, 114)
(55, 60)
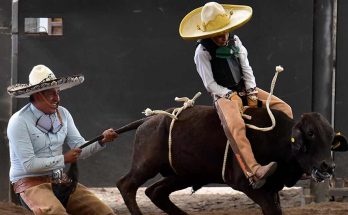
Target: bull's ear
(339, 143)
(296, 139)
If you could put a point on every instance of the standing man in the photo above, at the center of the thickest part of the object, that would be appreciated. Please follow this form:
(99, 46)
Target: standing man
(222, 63)
(36, 136)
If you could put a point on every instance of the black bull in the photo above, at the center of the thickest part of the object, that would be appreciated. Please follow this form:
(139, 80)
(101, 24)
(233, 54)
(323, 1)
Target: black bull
(198, 145)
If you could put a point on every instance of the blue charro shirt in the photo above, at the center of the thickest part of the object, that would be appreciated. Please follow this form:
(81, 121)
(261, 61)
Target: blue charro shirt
(35, 153)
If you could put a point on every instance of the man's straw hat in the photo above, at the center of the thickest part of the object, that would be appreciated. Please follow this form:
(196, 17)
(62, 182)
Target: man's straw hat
(42, 78)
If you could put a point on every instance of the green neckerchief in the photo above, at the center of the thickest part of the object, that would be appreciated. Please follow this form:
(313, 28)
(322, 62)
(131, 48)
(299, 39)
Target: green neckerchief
(227, 51)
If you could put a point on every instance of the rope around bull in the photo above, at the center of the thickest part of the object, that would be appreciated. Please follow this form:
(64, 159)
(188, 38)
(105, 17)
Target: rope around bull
(190, 102)
(174, 115)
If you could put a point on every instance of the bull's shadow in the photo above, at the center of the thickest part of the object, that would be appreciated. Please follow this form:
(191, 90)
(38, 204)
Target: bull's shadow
(197, 154)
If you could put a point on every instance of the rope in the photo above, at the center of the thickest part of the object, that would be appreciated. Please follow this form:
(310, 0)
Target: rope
(278, 70)
(174, 115)
(149, 112)
(225, 160)
(187, 103)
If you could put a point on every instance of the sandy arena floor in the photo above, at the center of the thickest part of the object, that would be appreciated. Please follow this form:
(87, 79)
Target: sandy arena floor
(208, 201)
(222, 201)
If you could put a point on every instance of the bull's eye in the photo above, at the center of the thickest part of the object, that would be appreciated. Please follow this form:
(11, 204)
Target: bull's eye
(310, 133)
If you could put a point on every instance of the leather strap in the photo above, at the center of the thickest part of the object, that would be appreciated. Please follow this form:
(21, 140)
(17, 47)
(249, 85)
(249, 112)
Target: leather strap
(25, 183)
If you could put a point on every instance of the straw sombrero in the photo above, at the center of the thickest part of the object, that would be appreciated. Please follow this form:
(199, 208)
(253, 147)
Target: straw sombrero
(213, 19)
(42, 78)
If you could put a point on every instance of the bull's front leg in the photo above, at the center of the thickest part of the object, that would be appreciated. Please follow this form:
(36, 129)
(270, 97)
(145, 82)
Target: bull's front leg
(268, 201)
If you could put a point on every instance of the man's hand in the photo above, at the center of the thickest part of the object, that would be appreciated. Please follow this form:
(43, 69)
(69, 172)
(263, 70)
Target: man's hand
(252, 100)
(109, 135)
(72, 155)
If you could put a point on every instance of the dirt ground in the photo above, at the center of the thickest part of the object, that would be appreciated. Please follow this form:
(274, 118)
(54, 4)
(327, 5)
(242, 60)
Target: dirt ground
(223, 201)
(209, 201)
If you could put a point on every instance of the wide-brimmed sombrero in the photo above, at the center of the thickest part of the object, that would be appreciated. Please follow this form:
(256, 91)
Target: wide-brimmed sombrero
(42, 78)
(213, 19)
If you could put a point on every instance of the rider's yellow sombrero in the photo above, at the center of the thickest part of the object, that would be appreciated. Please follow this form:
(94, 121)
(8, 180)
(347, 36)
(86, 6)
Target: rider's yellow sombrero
(213, 19)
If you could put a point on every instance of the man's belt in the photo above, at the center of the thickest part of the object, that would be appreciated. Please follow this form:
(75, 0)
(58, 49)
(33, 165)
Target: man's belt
(25, 183)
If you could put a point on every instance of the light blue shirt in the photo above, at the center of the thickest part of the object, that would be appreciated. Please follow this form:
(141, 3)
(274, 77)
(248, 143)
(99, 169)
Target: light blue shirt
(35, 153)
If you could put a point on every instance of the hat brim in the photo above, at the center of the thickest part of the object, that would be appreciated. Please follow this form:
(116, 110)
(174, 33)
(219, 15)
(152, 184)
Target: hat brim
(188, 27)
(25, 90)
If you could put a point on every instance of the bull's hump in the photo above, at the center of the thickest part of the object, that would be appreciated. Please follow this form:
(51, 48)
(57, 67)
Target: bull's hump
(199, 112)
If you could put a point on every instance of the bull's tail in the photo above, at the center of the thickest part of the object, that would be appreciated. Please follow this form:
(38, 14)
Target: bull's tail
(132, 125)
(128, 127)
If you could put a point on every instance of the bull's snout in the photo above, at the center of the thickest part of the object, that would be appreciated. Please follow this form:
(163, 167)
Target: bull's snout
(324, 171)
(327, 167)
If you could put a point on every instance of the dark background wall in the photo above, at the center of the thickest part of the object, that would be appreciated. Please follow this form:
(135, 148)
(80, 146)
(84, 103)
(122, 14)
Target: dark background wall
(341, 119)
(5, 77)
(133, 57)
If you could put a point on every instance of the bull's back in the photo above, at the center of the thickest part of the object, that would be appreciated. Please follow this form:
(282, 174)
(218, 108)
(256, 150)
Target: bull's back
(198, 135)
(198, 141)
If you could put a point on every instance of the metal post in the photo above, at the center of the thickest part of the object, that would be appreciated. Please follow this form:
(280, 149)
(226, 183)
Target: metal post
(322, 74)
(14, 76)
(5, 64)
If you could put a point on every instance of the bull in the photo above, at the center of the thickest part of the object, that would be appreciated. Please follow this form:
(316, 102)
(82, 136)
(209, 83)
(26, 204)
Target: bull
(197, 155)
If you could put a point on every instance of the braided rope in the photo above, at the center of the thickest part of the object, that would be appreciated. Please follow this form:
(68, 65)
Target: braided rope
(174, 115)
(278, 70)
(149, 112)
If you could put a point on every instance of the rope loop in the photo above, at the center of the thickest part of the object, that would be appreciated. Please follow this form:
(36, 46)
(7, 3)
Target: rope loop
(278, 70)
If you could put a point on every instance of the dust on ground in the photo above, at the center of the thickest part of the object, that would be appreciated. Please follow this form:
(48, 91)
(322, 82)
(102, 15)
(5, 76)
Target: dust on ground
(222, 201)
(208, 201)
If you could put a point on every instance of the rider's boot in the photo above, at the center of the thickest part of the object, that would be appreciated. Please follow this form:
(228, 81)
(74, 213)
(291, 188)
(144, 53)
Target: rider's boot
(234, 127)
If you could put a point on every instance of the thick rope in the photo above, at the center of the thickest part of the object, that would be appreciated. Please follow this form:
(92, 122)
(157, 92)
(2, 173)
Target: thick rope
(174, 115)
(187, 103)
(149, 112)
(278, 70)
